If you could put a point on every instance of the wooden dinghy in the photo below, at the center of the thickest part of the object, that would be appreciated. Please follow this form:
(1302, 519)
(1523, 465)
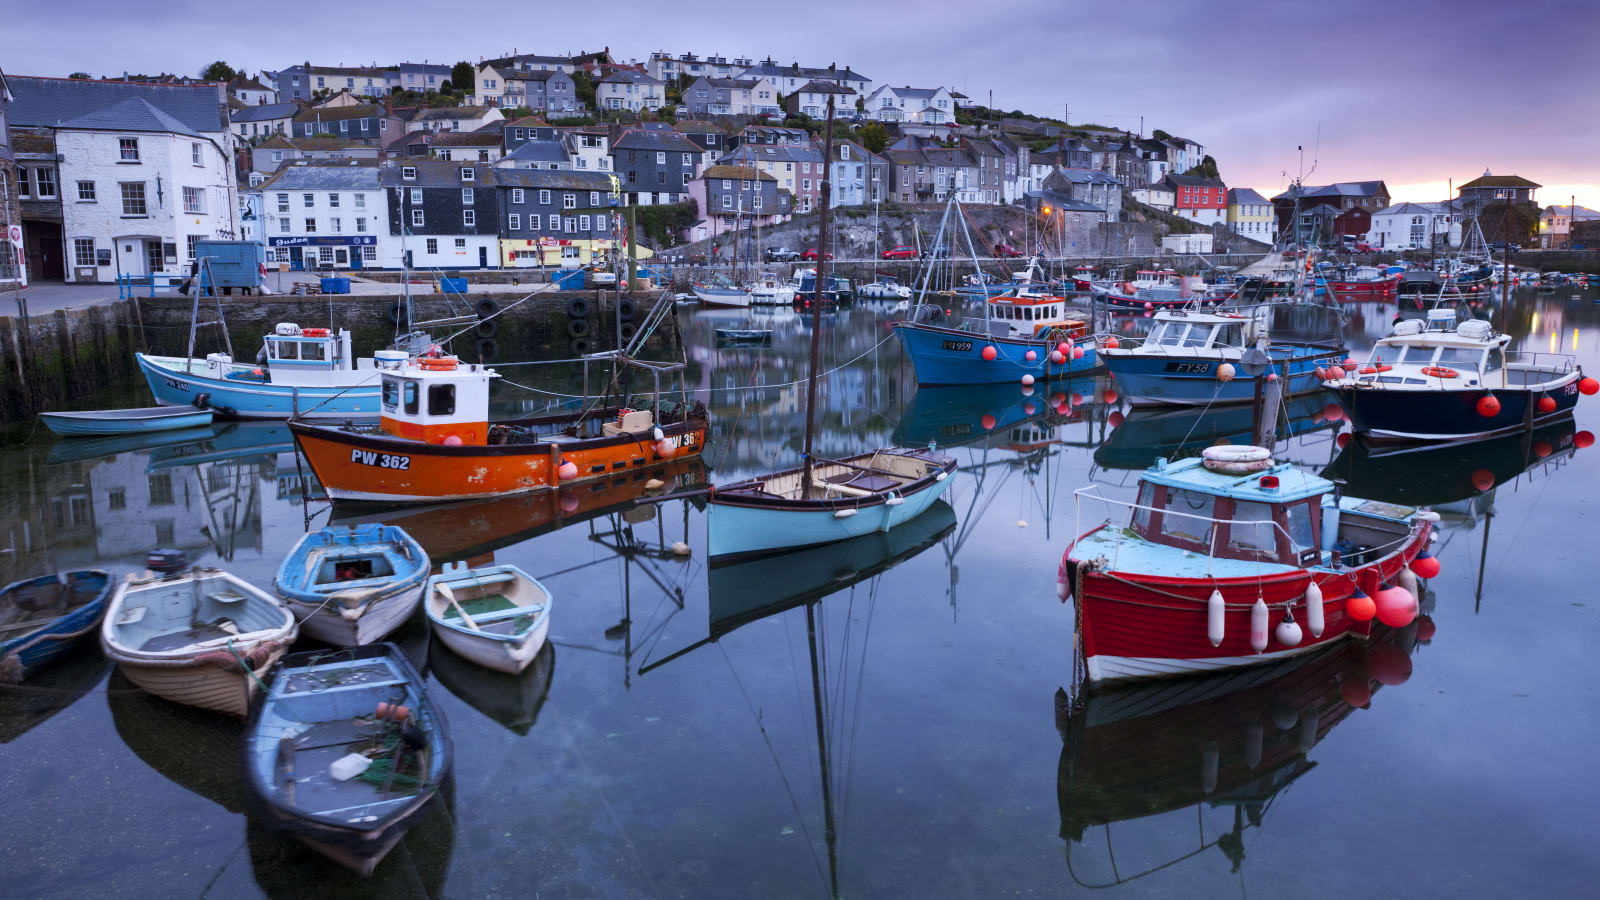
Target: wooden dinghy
(345, 750)
(495, 616)
(201, 637)
(41, 618)
(94, 422)
(351, 585)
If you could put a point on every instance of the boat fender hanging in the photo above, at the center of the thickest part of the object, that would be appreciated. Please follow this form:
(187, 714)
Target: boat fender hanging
(1254, 737)
(657, 434)
(1030, 356)
(1288, 631)
(844, 513)
(1426, 565)
(1216, 618)
(1547, 404)
(989, 353)
(1209, 756)
(1258, 625)
(1408, 580)
(1306, 729)
(1314, 620)
(1488, 406)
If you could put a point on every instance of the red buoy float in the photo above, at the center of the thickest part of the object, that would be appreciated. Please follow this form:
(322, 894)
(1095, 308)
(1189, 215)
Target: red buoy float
(1109, 396)
(1482, 479)
(1336, 373)
(1356, 692)
(1114, 420)
(1541, 449)
(1343, 440)
(1396, 607)
(1360, 606)
(1488, 406)
(987, 421)
(1588, 385)
(1389, 664)
(989, 353)
(1063, 348)
(1426, 565)
(1547, 404)
(1425, 628)
(1333, 412)
(1111, 343)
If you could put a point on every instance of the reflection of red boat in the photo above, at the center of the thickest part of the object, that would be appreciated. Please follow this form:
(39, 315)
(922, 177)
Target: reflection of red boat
(1148, 757)
(1365, 284)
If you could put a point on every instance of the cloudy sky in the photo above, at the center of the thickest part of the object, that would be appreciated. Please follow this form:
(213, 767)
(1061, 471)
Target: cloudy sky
(1411, 91)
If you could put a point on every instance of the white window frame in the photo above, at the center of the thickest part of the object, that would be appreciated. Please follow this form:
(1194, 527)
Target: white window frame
(544, 198)
(469, 218)
(416, 218)
(513, 222)
(533, 222)
(516, 195)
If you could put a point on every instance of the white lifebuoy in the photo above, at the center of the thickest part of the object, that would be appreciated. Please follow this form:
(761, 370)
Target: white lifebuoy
(1232, 453)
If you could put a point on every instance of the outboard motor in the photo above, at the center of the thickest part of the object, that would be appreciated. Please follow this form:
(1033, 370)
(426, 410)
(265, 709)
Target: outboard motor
(201, 401)
(166, 562)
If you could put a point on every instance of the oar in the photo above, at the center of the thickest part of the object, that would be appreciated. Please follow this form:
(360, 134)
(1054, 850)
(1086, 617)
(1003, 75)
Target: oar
(450, 595)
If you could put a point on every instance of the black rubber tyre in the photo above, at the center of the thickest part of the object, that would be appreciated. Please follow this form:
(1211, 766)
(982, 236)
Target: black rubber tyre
(488, 328)
(578, 328)
(578, 308)
(626, 309)
(487, 348)
(487, 307)
(628, 331)
(580, 346)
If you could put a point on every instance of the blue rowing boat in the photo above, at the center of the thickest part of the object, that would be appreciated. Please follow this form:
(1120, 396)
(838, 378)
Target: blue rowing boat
(103, 422)
(353, 584)
(346, 750)
(41, 618)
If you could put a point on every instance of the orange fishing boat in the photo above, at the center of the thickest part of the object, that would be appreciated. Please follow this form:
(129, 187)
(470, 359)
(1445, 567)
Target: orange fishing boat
(434, 440)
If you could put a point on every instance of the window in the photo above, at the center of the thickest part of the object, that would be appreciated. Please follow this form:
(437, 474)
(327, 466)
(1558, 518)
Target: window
(194, 152)
(344, 126)
(441, 399)
(570, 224)
(45, 182)
(416, 196)
(333, 225)
(83, 252)
(514, 222)
(533, 223)
(516, 195)
(277, 156)
(309, 200)
(688, 159)
(333, 201)
(467, 173)
(325, 254)
(311, 225)
(461, 243)
(189, 240)
(409, 173)
(544, 198)
(86, 192)
(129, 148)
(22, 182)
(433, 246)
(584, 224)
(133, 198)
(727, 201)
(160, 484)
(283, 226)
(117, 498)
(283, 203)
(369, 253)
(416, 218)
(569, 201)
(410, 392)
(1187, 527)
(1252, 529)
(661, 158)
(594, 198)
(466, 196)
(361, 225)
(555, 224)
(194, 200)
(469, 217)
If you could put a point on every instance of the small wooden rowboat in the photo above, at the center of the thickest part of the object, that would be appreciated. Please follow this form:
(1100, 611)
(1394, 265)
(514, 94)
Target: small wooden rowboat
(496, 616)
(40, 618)
(89, 423)
(353, 584)
(346, 751)
(201, 637)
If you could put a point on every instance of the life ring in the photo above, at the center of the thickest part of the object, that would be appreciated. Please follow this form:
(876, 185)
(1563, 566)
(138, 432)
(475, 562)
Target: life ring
(1233, 453)
(1370, 370)
(1440, 372)
(487, 348)
(578, 328)
(314, 332)
(438, 363)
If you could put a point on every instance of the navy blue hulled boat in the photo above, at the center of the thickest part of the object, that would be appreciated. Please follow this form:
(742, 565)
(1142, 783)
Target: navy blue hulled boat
(41, 618)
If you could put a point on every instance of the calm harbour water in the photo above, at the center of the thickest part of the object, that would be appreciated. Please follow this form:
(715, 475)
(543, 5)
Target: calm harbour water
(872, 719)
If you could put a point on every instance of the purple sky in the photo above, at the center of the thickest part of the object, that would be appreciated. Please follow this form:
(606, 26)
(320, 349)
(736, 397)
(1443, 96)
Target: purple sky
(1410, 91)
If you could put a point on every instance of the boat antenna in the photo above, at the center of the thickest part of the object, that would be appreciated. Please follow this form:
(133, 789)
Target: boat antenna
(1505, 265)
(816, 301)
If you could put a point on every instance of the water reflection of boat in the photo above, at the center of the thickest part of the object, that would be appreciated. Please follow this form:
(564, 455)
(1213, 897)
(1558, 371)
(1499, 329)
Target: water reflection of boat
(956, 415)
(1147, 434)
(24, 708)
(234, 440)
(95, 448)
(1151, 758)
(512, 700)
(453, 532)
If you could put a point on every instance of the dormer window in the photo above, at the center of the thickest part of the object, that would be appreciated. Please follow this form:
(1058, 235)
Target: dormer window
(468, 173)
(408, 173)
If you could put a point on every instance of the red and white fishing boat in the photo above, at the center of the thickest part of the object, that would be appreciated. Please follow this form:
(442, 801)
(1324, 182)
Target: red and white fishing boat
(1161, 289)
(1232, 560)
(1083, 277)
(1364, 283)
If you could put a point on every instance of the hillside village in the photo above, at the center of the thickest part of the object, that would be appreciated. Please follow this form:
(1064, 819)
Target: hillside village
(520, 160)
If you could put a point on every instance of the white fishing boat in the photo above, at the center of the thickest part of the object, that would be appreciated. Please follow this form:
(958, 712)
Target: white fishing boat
(353, 585)
(495, 616)
(201, 637)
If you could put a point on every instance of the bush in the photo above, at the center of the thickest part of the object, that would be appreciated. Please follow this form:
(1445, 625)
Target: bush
(663, 223)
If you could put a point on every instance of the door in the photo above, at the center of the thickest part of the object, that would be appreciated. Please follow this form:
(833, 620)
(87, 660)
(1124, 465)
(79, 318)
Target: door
(483, 257)
(296, 261)
(152, 255)
(131, 259)
(43, 250)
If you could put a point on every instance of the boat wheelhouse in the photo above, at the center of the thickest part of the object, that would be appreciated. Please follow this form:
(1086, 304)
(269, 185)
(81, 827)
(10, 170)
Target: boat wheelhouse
(1435, 380)
(305, 372)
(1362, 283)
(1181, 360)
(1157, 288)
(1230, 561)
(434, 440)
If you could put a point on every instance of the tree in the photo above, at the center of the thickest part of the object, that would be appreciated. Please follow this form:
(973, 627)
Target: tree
(583, 89)
(1160, 135)
(218, 71)
(1206, 168)
(463, 75)
(81, 76)
(445, 87)
(873, 136)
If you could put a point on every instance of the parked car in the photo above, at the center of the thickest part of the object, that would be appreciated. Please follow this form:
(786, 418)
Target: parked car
(1364, 247)
(1501, 245)
(781, 254)
(1006, 251)
(811, 254)
(903, 251)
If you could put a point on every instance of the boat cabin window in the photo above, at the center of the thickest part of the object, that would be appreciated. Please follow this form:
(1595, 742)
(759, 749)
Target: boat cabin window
(1460, 358)
(1198, 336)
(441, 400)
(391, 393)
(1300, 513)
(1496, 360)
(1388, 354)
(286, 349)
(1194, 524)
(1141, 515)
(1251, 529)
(1168, 334)
(1229, 335)
(409, 389)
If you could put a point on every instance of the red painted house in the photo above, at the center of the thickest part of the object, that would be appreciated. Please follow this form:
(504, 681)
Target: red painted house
(1204, 200)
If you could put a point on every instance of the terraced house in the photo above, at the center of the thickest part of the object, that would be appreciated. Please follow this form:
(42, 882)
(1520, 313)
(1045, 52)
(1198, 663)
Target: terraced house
(360, 122)
(731, 97)
(302, 82)
(553, 217)
(655, 165)
(327, 215)
(442, 214)
(630, 90)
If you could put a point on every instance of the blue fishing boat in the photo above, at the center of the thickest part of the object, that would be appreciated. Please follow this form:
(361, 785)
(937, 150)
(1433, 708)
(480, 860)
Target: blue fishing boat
(310, 373)
(1195, 358)
(353, 584)
(346, 751)
(105, 422)
(41, 618)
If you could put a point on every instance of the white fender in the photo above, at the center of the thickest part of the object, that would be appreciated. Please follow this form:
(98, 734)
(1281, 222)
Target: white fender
(1216, 618)
(1258, 625)
(1314, 621)
(1254, 734)
(1284, 716)
(1063, 591)
(1288, 633)
(844, 514)
(1306, 734)
(1208, 766)
(1408, 580)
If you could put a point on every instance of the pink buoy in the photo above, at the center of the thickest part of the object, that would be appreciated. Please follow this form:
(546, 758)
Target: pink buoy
(1056, 357)
(1109, 396)
(1148, 305)
(1077, 353)
(665, 450)
(1029, 409)
(989, 353)
(1272, 376)
(987, 421)
(453, 440)
(1333, 412)
(1350, 362)
(568, 471)
(1030, 356)
(1396, 607)
(1115, 419)
(1077, 399)
(1336, 373)
(569, 501)
(1027, 380)
(1063, 348)
(1027, 390)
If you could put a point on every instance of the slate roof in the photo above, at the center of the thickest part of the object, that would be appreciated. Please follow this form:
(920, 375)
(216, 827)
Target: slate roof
(1339, 189)
(432, 173)
(463, 138)
(911, 93)
(1493, 181)
(744, 172)
(1193, 181)
(51, 101)
(527, 74)
(695, 126)
(1244, 195)
(449, 112)
(340, 176)
(640, 139)
(540, 151)
(132, 114)
(742, 84)
(768, 68)
(1085, 176)
(524, 122)
(1063, 202)
(629, 76)
(824, 87)
(549, 179)
(336, 113)
(266, 112)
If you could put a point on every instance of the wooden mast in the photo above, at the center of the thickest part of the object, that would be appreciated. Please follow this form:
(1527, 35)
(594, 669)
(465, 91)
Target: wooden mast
(816, 300)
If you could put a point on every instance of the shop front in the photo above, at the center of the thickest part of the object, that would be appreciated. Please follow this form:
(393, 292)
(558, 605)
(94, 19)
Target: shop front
(321, 252)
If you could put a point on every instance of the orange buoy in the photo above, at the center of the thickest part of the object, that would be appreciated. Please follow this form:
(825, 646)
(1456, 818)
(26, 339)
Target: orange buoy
(1482, 479)
(1426, 565)
(1488, 406)
(1333, 412)
(1583, 439)
(1115, 419)
(1109, 396)
(989, 353)
(1547, 404)
(1111, 343)
(1396, 607)
(1542, 449)
(1588, 385)
(1360, 606)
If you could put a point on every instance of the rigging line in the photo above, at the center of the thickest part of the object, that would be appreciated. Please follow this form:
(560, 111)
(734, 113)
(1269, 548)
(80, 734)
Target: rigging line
(767, 739)
(855, 716)
(799, 695)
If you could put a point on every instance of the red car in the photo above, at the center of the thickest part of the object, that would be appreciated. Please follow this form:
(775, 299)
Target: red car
(901, 252)
(1007, 251)
(811, 254)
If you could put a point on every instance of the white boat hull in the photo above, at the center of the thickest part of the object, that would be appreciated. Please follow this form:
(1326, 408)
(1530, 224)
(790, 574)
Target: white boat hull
(1105, 668)
(732, 299)
(205, 686)
(373, 621)
(510, 657)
